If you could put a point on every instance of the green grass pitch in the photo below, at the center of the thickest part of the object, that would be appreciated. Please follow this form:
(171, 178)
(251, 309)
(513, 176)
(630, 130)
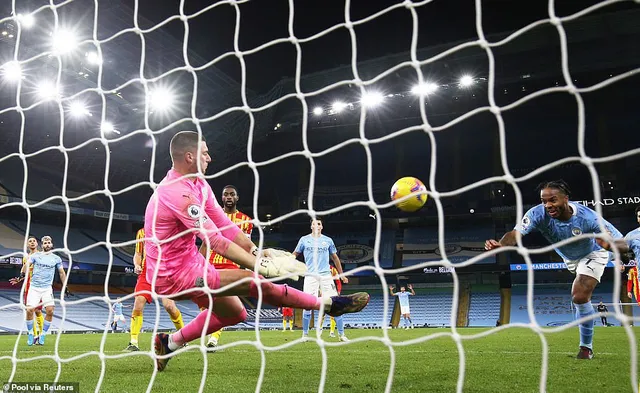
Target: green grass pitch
(505, 361)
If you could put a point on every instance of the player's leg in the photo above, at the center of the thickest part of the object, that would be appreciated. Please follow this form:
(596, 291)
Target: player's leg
(311, 286)
(226, 311)
(29, 322)
(136, 322)
(48, 309)
(332, 327)
(291, 323)
(588, 273)
(174, 312)
(214, 338)
(37, 327)
(328, 287)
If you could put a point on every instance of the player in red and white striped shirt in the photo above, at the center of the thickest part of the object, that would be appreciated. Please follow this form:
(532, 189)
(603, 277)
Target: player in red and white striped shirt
(230, 199)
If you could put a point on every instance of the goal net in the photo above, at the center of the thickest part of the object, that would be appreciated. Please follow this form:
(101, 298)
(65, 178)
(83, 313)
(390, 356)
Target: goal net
(93, 91)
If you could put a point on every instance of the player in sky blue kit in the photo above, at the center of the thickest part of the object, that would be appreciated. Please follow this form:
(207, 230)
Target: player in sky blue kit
(557, 219)
(405, 310)
(633, 237)
(317, 248)
(44, 264)
(117, 315)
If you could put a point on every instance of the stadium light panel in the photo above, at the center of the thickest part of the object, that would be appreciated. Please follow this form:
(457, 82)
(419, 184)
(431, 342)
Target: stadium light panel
(161, 99)
(93, 58)
(338, 106)
(371, 100)
(317, 111)
(4, 32)
(26, 20)
(424, 89)
(107, 127)
(47, 90)
(12, 71)
(63, 41)
(78, 109)
(466, 80)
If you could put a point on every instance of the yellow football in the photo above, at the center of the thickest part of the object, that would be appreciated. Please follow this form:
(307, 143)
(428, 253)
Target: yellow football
(407, 186)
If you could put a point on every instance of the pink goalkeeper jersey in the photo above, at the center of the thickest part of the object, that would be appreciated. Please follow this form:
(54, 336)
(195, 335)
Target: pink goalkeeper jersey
(183, 203)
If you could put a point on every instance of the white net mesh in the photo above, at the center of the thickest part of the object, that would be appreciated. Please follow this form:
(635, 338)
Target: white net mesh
(27, 62)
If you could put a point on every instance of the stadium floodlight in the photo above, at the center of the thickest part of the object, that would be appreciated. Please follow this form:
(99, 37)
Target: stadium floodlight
(93, 58)
(424, 89)
(466, 80)
(26, 20)
(63, 41)
(107, 127)
(161, 99)
(47, 90)
(317, 111)
(4, 32)
(78, 109)
(12, 71)
(371, 100)
(338, 106)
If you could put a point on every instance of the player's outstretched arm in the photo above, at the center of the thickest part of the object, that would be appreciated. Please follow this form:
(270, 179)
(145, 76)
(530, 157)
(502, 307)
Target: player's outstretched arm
(509, 239)
(391, 290)
(411, 289)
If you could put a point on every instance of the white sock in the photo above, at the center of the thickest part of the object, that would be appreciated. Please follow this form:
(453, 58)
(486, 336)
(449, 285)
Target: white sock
(172, 345)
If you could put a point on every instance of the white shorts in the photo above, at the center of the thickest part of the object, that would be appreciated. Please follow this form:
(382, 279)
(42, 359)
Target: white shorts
(592, 265)
(36, 296)
(405, 310)
(119, 318)
(323, 285)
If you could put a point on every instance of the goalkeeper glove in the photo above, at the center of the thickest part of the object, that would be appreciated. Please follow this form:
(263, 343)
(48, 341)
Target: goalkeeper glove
(277, 266)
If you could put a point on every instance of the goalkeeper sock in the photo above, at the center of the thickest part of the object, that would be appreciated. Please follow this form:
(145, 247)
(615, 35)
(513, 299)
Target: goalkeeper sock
(284, 324)
(291, 324)
(340, 323)
(193, 329)
(306, 321)
(136, 326)
(586, 328)
(177, 321)
(216, 335)
(45, 326)
(332, 327)
(39, 323)
(283, 295)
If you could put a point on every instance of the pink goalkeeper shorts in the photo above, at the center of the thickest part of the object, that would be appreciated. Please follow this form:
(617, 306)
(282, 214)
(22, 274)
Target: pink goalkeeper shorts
(187, 278)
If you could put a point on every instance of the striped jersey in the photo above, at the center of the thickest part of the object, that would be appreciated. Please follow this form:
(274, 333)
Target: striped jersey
(243, 222)
(140, 249)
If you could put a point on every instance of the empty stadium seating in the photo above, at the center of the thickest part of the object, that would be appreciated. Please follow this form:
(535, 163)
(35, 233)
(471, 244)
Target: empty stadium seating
(484, 309)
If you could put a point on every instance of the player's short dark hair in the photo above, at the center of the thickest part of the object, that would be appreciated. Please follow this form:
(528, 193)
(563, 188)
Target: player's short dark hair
(230, 186)
(315, 219)
(32, 237)
(183, 142)
(559, 185)
(637, 210)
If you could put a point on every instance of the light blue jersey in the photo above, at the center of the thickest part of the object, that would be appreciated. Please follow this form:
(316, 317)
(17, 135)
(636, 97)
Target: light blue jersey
(633, 240)
(316, 251)
(117, 308)
(582, 221)
(403, 297)
(44, 269)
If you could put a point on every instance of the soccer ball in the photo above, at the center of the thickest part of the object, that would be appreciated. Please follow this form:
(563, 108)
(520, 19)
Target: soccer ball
(406, 186)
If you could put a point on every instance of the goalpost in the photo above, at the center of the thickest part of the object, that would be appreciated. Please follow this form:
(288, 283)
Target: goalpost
(21, 70)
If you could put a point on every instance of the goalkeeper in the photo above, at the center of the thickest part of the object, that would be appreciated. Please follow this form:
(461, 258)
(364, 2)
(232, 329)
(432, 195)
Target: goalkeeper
(184, 206)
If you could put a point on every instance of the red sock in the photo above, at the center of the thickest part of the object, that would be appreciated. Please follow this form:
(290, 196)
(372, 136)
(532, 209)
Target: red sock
(283, 295)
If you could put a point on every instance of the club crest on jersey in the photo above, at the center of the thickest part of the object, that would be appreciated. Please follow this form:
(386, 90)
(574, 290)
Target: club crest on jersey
(576, 231)
(526, 221)
(193, 211)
